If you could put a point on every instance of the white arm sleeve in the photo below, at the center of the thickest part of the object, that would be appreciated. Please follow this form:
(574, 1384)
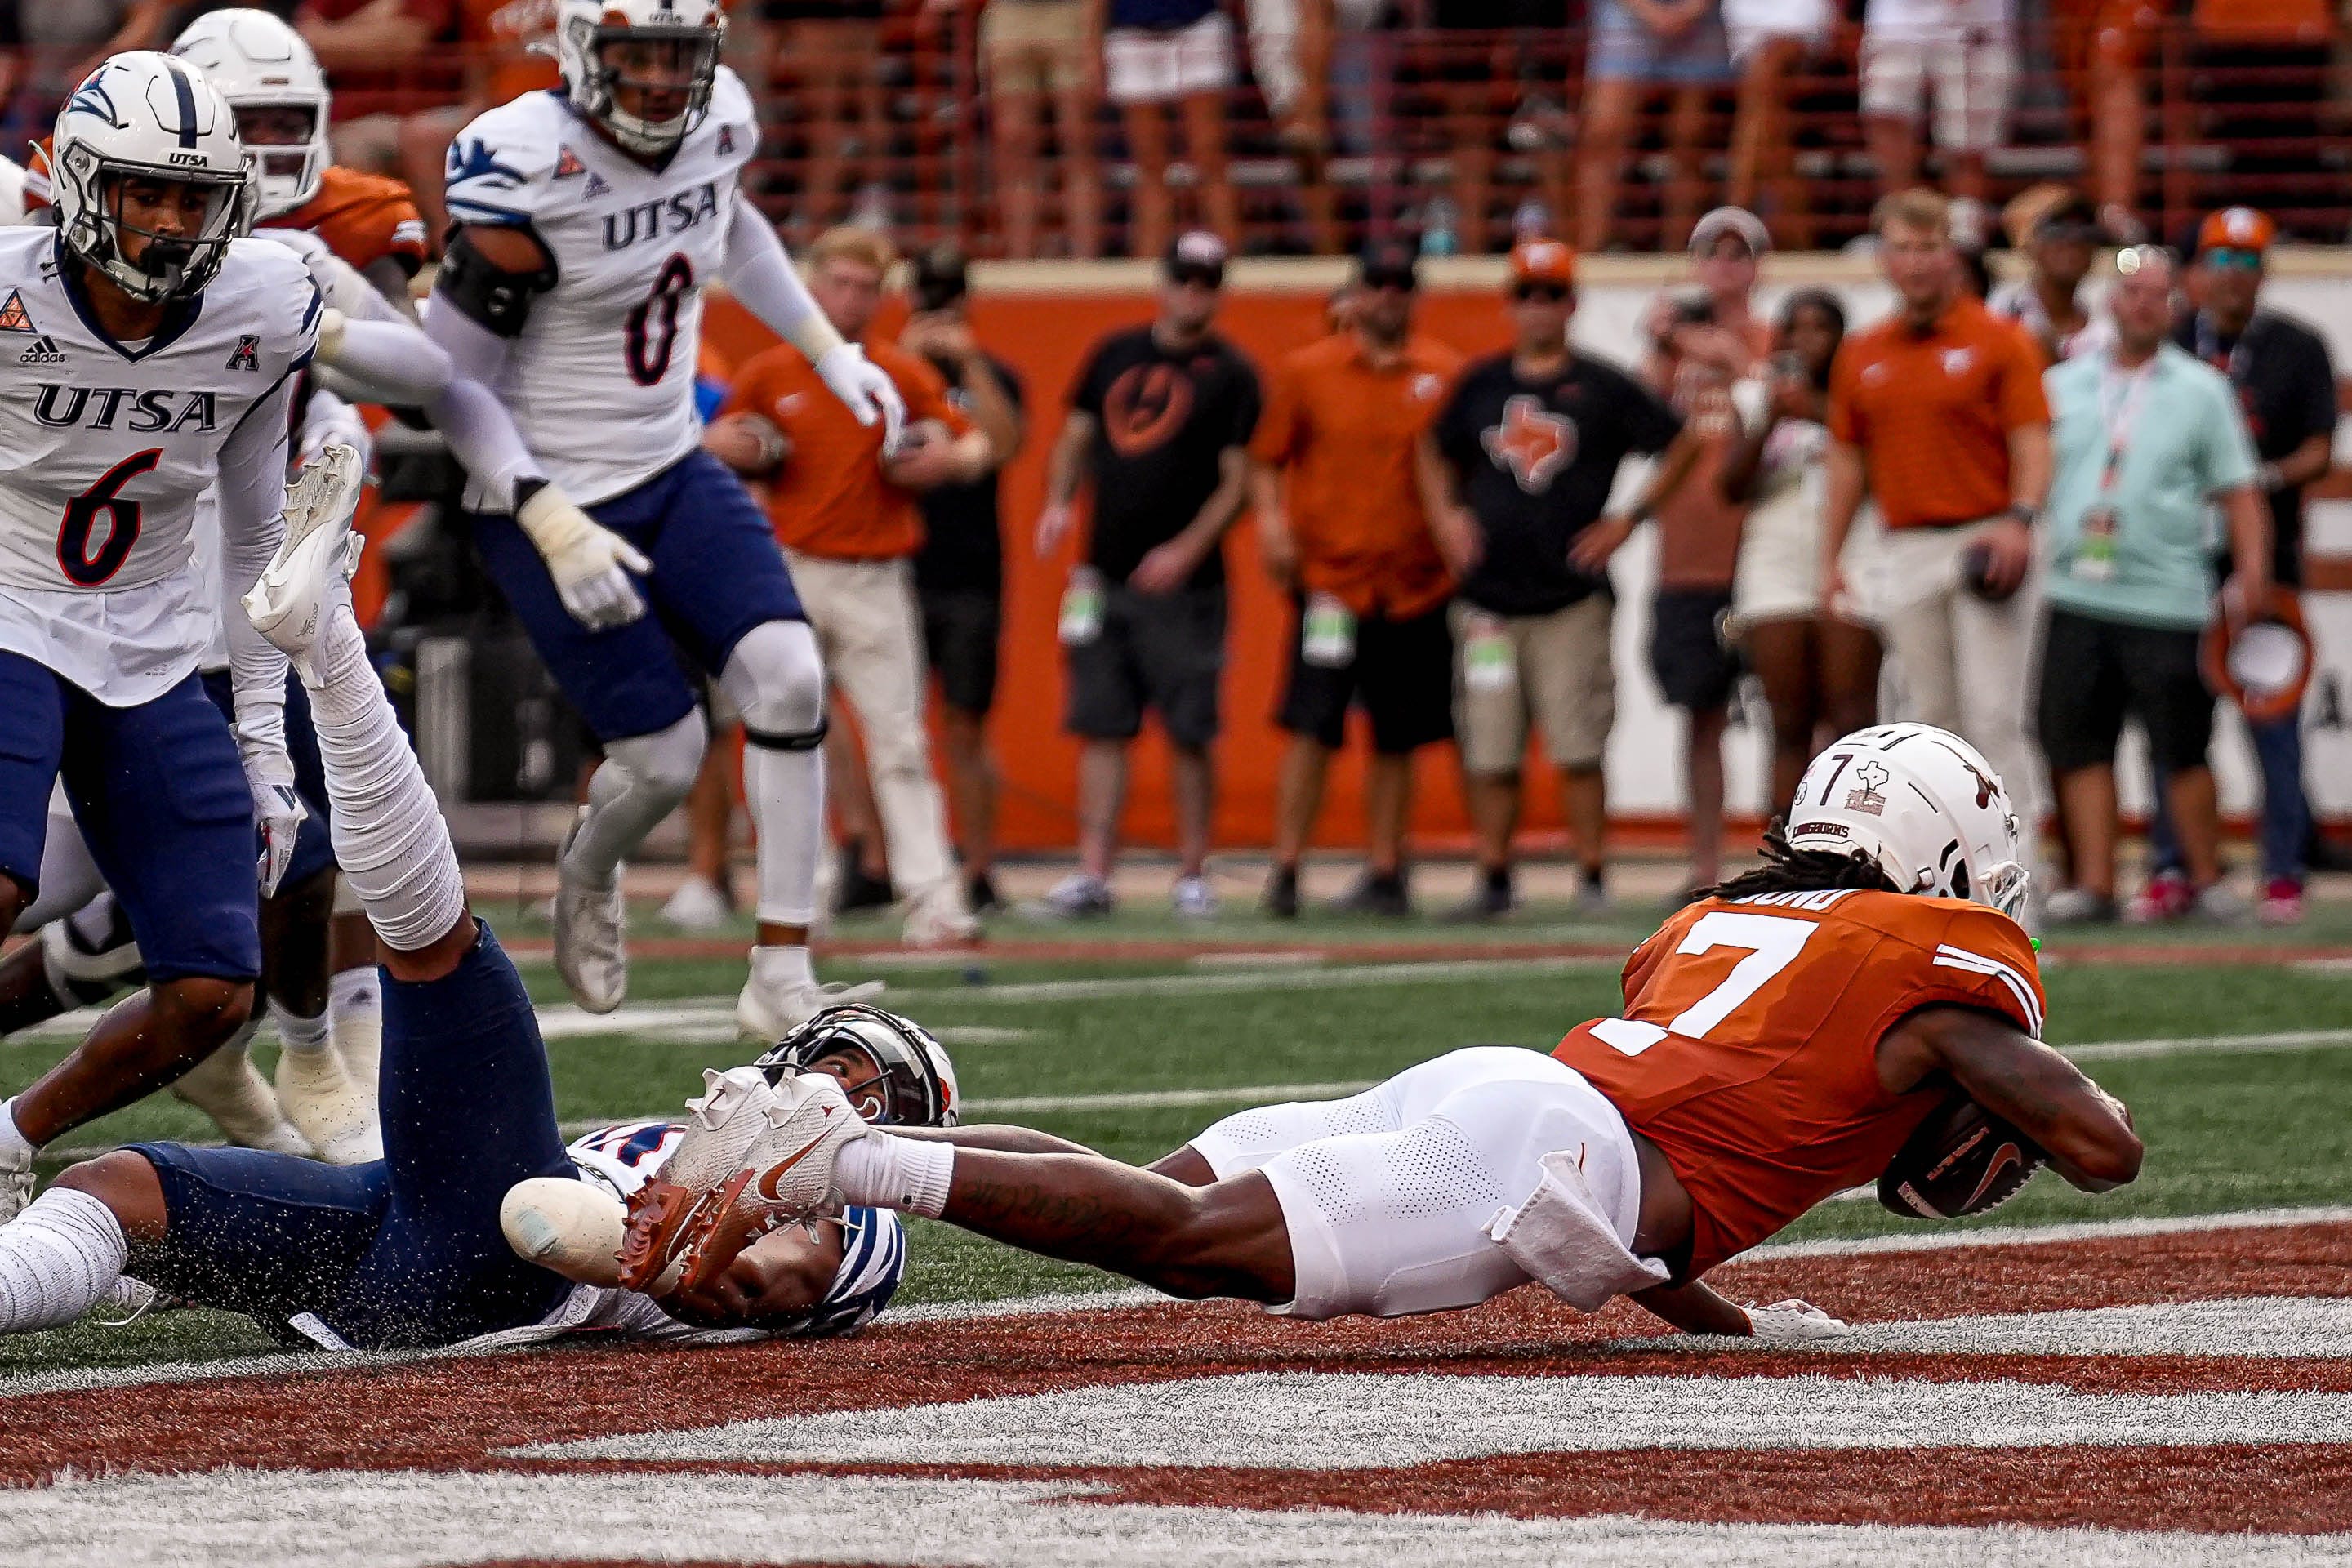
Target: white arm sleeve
(252, 499)
(480, 430)
(764, 278)
(391, 357)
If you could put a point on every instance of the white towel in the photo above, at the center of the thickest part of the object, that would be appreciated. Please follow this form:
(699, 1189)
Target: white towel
(1562, 1238)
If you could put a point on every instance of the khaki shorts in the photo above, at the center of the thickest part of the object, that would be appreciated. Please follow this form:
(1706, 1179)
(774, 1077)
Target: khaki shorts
(1143, 65)
(1034, 46)
(1559, 676)
(1972, 76)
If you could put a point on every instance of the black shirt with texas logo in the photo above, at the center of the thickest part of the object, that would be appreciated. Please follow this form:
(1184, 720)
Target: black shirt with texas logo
(1161, 418)
(1535, 460)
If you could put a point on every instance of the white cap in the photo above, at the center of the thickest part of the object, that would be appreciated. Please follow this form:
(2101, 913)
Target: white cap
(1731, 220)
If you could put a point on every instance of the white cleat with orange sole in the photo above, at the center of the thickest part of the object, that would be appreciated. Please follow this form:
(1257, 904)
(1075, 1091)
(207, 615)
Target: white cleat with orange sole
(786, 1175)
(720, 1129)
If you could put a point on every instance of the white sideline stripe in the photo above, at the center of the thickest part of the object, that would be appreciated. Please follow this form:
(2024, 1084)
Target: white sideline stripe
(306, 1519)
(1334, 978)
(2188, 1045)
(67, 1380)
(2040, 1235)
(2290, 1327)
(1350, 1421)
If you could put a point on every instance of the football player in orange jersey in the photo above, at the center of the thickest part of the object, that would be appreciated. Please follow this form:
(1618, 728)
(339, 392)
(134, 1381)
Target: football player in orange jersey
(1780, 1040)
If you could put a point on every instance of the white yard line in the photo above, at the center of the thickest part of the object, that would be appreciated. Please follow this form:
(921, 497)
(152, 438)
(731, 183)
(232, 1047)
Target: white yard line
(1333, 978)
(67, 1380)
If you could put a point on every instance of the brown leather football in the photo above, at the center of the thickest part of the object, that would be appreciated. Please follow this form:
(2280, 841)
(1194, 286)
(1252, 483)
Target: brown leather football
(1962, 1160)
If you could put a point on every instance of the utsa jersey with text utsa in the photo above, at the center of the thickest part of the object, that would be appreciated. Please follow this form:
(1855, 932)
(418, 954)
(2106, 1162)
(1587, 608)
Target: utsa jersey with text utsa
(601, 380)
(1748, 1049)
(624, 1158)
(111, 448)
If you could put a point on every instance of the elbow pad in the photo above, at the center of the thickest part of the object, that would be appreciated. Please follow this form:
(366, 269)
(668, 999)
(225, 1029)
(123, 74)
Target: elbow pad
(486, 293)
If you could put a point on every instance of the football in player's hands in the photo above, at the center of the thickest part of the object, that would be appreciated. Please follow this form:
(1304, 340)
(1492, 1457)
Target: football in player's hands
(1962, 1160)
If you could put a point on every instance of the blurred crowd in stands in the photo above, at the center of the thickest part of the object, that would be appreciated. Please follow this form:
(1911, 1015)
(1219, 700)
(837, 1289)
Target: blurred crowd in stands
(1091, 128)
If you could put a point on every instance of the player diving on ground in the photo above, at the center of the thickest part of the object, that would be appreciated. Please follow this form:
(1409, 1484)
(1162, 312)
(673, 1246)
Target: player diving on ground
(1782, 1040)
(409, 1250)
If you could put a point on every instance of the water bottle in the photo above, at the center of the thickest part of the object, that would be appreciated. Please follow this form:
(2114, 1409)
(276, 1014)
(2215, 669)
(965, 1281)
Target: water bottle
(1441, 223)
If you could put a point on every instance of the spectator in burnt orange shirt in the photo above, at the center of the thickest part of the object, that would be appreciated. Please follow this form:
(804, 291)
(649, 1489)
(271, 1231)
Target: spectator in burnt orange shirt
(1341, 530)
(846, 512)
(1937, 412)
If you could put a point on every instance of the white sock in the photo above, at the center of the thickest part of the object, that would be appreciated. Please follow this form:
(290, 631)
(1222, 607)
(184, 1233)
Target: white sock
(781, 968)
(909, 1174)
(784, 793)
(16, 1150)
(57, 1259)
(355, 1021)
(308, 1036)
(390, 840)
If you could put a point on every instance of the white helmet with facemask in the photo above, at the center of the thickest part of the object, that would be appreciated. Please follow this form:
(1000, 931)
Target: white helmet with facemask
(259, 63)
(1924, 804)
(144, 116)
(587, 34)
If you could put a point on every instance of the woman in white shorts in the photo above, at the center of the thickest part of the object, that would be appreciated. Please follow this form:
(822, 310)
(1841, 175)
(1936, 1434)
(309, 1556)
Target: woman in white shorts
(1818, 664)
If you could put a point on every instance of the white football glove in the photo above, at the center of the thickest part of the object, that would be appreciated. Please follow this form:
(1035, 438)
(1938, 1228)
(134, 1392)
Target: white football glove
(867, 388)
(590, 564)
(1793, 1322)
(276, 810)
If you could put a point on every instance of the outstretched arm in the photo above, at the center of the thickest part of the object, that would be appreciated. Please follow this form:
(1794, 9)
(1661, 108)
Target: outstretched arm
(763, 276)
(2086, 1130)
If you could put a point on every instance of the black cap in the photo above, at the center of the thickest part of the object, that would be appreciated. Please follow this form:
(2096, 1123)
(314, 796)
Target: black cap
(940, 277)
(1388, 262)
(1196, 255)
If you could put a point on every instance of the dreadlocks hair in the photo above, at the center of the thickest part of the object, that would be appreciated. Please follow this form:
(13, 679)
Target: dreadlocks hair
(1787, 870)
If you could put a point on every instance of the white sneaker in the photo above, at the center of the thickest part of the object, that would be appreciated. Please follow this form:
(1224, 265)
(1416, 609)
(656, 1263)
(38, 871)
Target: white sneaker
(1193, 899)
(721, 1127)
(591, 949)
(227, 1087)
(291, 602)
(15, 1191)
(328, 1107)
(938, 917)
(766, 1013)
(786, 1174)
(697, 905)
(1076, 897)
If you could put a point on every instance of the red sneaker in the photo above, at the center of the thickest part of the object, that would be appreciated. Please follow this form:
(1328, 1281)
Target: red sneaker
(2167, 897)
(2281, 902)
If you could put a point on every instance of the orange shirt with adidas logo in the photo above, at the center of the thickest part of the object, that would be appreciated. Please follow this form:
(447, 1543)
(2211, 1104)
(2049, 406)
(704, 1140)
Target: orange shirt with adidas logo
(1747, 1051)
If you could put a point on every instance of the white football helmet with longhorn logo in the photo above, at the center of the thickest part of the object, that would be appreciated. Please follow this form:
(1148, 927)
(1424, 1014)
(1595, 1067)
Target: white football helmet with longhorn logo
(1922, 802)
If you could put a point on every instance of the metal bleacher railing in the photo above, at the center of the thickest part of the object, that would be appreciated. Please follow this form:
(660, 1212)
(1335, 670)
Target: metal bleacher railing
(1442, 136)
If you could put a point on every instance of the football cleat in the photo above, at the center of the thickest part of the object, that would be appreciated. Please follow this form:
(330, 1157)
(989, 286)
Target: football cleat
(720, 1129)
(328, 1107)
(292, 602)
(227, 1087)
(15, 1191)
(786, 1175)
(591, 951)
(566, 1224)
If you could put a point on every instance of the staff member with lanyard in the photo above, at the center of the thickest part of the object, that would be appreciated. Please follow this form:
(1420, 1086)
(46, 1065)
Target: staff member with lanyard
(2143, 437)
(2287, 389)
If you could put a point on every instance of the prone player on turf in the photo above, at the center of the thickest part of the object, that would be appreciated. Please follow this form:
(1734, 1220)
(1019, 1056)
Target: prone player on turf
(1782, 1040)
(410, 1251)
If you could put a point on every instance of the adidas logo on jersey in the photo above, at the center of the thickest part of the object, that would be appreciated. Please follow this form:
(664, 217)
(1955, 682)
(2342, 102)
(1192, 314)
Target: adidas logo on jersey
(246, 355)
(13, 317)
(596, 185)
(42, 350)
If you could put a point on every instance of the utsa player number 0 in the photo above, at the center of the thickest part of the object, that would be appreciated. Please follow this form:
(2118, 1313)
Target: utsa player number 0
(649, 361)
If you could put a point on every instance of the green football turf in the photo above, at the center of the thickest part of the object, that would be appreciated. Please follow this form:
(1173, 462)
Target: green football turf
(2224, 1130)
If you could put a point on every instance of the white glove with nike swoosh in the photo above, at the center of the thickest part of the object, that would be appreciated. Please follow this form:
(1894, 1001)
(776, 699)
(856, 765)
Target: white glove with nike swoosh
(590, 563)
(1793, 1322)
(276, 810)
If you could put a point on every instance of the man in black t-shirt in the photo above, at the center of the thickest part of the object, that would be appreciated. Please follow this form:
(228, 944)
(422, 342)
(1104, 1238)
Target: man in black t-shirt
(959, 571)
(1516, 470)
(1159, 427)
(2287, 386)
